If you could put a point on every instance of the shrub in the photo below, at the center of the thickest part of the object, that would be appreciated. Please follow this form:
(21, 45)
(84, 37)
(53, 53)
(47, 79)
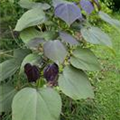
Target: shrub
(54, 59)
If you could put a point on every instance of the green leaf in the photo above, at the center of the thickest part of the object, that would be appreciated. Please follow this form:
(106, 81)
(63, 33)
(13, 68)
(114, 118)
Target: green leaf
(55, 51)
(29, 34)
(84, 59)
(7, 93)
(109, 20)
(19, 54)
(29, 4)
(31, 58)
(96, 36)
(8, 68)
(32, 104)
(75, 84)
(30, 18)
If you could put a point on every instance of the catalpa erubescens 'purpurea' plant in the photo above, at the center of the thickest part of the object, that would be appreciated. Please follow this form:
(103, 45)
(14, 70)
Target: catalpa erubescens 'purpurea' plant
(54, 59)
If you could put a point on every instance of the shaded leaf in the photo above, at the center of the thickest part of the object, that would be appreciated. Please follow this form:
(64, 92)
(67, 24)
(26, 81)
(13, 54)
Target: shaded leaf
(35, 43)
(28, 35)
(68, 12)
(7, 93)
(30, 18)
(84, 59)
(75, 84)
(32, 104)
(55, 51)
(8, 68)
(96, 36)
(68, 38)
(19, 54)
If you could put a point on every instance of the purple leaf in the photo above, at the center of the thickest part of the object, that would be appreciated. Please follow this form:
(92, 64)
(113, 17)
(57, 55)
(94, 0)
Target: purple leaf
(87, 6)
(68, 12)
(55, 51)
(68, 38)
(51, 72)
(32, 72)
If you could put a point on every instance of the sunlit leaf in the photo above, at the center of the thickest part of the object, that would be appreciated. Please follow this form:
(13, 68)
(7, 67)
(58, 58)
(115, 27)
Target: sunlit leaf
(84, 59)
(68, 12)
(55, 51)
(109, 20)
(75, 84)
(30, 18)
(96, 36)
(57, 2)
(29, 4)
(32, 104)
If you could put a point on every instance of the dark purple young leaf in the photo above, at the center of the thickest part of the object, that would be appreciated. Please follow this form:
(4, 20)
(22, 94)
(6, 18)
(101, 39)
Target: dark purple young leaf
(68, 12)
(87, 6)
(51, 72)
(34, 43)
(68, 38)
(32, 72)
(55, 51)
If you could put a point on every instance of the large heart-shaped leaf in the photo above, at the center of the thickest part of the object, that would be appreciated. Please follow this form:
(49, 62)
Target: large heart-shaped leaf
(32, 104)
(68, 38)
(29, 4)
(75, 84)
(55, 51)
(68, 12)
(7, 93)
(96, 36)
(30, 18)
(109, 20)
(84, 59)
(32, 59)
(87, 6)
